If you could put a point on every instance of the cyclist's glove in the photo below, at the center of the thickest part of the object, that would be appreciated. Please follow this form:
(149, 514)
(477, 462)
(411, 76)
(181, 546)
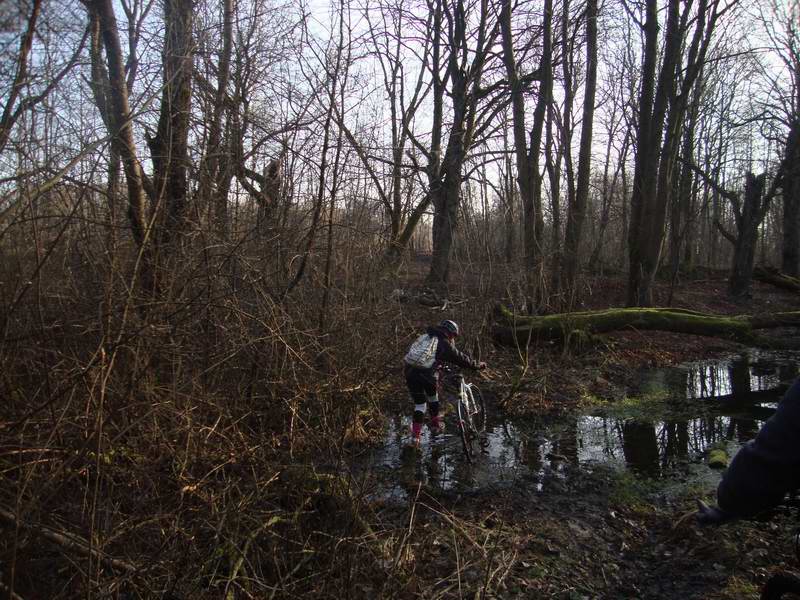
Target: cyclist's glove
(711, 515)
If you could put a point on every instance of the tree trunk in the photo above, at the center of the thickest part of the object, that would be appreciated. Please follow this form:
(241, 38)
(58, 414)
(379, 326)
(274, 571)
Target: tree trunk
(446, 200)
(536, 266)
(169, 148)
(119, 112)
(681, 205)
(565, 131)
(643, 178)
(552, 159)
(752, 214)
(464, 71)
(790, 254)
(213, 187)
(527, 157)
(662, 110)
(776, 278)
(577, 208)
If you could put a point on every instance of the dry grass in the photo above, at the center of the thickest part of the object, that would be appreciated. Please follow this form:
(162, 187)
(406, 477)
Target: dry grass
(195, 444)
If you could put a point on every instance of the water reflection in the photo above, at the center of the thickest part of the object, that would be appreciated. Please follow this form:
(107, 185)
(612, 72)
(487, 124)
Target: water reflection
(741, 375)
(699, 404)
(640, 446)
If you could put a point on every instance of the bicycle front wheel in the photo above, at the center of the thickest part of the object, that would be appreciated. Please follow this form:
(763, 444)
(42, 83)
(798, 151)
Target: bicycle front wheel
(465, 428)
(479, 409)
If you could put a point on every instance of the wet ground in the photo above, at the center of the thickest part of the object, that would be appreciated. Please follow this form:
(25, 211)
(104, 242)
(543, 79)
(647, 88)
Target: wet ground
(593, 504)
(661, 430)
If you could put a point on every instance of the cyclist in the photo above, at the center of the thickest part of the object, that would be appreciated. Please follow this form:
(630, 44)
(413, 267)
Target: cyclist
(764, 470)
(434, 347)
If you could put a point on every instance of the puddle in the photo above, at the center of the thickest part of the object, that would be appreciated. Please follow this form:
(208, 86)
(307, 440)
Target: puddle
(661, 432)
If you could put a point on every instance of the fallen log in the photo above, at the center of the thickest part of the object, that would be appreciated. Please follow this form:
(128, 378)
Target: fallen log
(425, 297)
(749, 399)
(776, 278)
(513, 329)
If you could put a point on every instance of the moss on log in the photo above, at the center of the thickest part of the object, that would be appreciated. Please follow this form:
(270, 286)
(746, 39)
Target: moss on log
(521, 330)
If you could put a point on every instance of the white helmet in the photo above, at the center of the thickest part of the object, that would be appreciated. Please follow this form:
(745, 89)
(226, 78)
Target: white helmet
(449, 326)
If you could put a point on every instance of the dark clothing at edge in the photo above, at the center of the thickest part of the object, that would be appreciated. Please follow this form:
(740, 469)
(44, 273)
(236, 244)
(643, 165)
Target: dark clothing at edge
(768, 467)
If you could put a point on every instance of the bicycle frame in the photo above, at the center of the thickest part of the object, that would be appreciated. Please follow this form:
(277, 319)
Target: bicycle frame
(467, 408)
(468, 402)
(453, 396)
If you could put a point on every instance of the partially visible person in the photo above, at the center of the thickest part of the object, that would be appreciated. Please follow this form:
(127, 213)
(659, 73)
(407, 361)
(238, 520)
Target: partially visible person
(433, 348)
(764, 470)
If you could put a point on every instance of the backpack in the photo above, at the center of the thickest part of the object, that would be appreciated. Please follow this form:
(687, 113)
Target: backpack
(422, 353)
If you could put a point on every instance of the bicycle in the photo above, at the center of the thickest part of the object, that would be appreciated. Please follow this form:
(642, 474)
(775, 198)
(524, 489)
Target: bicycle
(470, 407)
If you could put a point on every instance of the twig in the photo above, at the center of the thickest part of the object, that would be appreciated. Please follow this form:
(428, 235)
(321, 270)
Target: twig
(68, 541)
(409, 531)
(457, 527)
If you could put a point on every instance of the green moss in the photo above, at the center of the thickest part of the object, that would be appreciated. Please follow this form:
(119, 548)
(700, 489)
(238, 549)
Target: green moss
(589, 401)
(718, 458)
(738, 588)
(631, 491)
(651, 405)
(668, 319)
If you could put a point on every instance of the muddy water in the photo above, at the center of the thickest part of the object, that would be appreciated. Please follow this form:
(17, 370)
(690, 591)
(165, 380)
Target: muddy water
(661, 430)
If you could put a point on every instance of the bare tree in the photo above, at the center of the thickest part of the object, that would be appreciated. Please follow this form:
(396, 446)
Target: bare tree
(612, 191)
(169, 147)
(783, 31)
(215, 174)
(662, 105)
(459, 56)
(111, 94)
(401, 204)
(577, 208)
(18, 101)
(529, 179)
(749, 211)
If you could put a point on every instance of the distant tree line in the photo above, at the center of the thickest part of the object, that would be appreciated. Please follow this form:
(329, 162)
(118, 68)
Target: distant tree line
(565, 137)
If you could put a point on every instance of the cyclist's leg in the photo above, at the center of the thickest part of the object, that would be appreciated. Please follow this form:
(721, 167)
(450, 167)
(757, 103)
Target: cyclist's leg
(417, 392)
(432, 400)
(433, 411)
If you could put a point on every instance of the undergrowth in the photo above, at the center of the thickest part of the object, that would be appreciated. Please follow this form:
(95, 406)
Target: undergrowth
(194, 444)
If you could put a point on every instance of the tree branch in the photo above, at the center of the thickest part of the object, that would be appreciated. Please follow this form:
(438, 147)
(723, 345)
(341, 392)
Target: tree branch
(67, 541)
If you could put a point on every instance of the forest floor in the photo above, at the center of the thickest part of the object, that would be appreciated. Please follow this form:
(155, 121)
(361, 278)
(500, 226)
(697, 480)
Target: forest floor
(211, 495)
(599, 535)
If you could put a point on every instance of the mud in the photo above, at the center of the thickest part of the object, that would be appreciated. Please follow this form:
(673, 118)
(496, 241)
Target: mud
(594, 501)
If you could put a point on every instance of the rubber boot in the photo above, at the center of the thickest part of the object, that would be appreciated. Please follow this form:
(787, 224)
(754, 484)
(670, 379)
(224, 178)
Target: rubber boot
(416, 432)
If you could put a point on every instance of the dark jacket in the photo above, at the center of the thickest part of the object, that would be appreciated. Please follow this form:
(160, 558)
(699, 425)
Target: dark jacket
(768, 467)
(446, 352)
